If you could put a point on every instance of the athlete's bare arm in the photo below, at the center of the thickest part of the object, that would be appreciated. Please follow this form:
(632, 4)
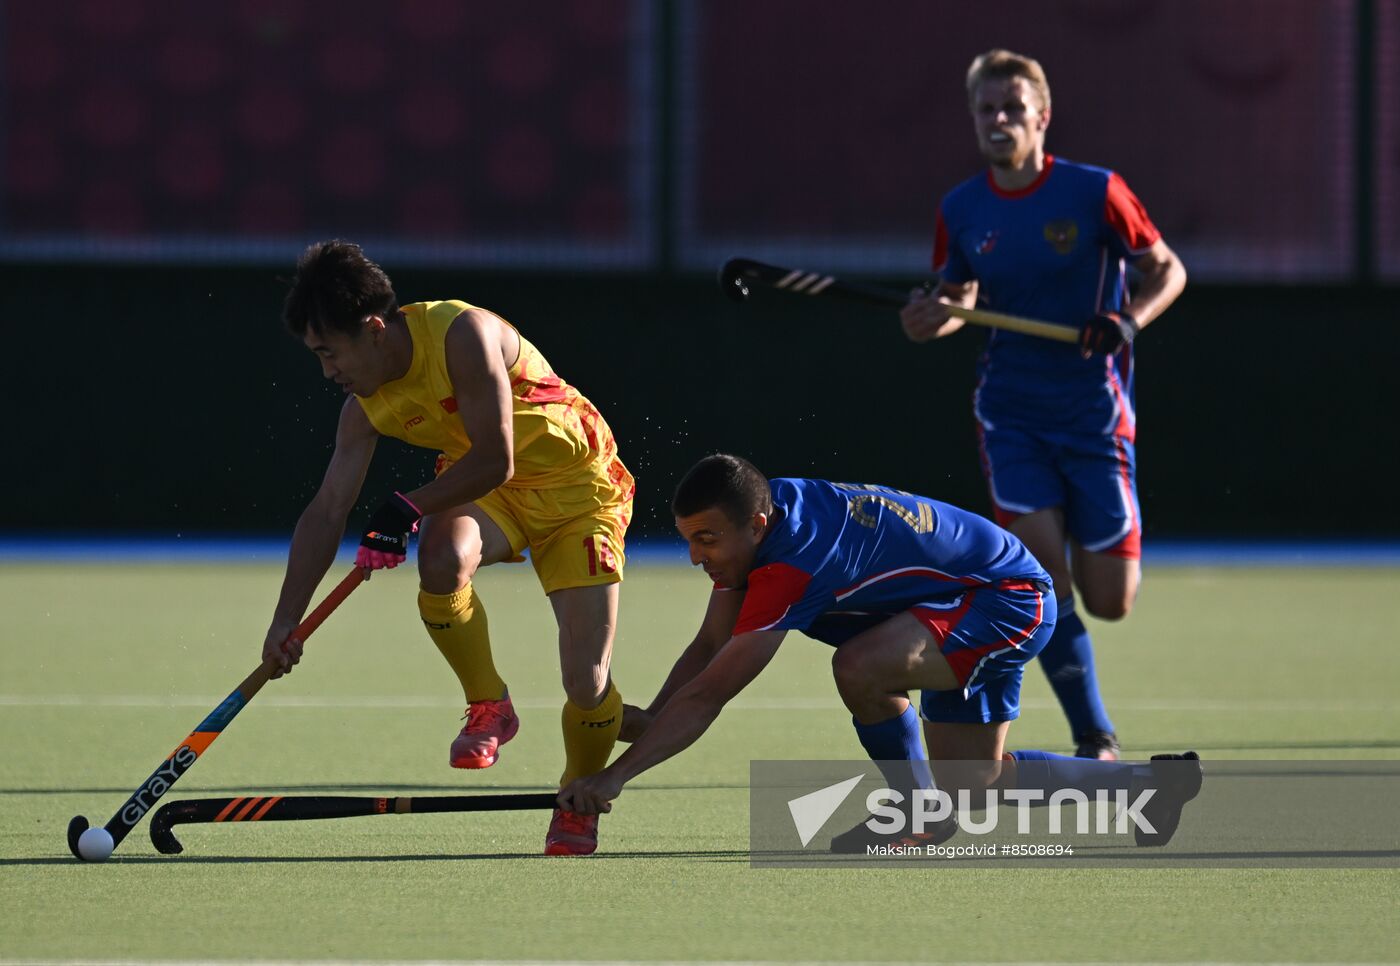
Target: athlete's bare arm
(715, 629)
(319, 530)
(479, 347)
(1163, 278)
(683, 719)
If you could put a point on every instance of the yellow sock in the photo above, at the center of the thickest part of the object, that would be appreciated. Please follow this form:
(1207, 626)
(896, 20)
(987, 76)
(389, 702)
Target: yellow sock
(589, 736)
(457, 624)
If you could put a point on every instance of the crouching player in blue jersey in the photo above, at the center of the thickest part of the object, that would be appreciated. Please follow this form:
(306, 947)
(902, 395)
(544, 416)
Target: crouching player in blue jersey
(913, 594)
(1046, 238)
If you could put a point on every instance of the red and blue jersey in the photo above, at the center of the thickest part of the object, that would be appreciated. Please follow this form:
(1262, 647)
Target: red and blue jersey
(840, 557)
(1054, 250)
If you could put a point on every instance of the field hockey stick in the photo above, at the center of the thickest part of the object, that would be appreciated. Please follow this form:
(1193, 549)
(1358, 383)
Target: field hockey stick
(736, 274)
(276, 808)
(188, 751)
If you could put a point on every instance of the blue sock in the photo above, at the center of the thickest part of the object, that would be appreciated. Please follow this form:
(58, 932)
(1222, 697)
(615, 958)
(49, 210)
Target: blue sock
(895, 746)
(1043, 769)
(1068, 662)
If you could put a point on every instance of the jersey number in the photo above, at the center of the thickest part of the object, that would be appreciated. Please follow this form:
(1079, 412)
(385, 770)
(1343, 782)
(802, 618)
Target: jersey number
(865, 499)
(599, 555)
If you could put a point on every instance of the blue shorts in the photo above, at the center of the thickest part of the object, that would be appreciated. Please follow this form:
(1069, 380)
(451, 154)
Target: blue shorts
(1093, 477)
(987, 636)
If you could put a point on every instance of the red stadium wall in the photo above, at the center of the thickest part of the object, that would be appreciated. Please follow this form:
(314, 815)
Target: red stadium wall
(476, 132)
(829, 139)
(629, 133)
(1386, 212)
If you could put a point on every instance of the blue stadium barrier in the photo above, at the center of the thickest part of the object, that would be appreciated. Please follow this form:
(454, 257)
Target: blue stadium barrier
(205, 548)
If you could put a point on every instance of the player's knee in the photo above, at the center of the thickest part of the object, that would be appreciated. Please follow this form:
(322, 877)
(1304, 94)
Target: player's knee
(585, 687)
(842, 668)
(851, 675)
(445, 563)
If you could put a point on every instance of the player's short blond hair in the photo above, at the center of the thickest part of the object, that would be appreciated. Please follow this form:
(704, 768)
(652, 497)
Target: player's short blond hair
(1003, 64)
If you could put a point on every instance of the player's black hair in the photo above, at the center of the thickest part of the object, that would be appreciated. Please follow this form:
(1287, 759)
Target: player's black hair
(731, 483)
(336, 288)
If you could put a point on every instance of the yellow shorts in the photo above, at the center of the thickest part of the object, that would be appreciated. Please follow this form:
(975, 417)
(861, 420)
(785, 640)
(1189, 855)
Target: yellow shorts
(576, 533)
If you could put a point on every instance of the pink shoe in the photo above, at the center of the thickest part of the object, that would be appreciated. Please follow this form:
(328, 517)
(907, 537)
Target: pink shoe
(490, 724)
(571, 834)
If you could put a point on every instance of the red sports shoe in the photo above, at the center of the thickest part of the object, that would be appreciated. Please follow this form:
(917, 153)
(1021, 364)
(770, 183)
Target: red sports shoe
(571, 834)
(490, 724)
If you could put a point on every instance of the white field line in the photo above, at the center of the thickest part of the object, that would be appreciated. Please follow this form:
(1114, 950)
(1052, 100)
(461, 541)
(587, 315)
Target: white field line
(399, 702)
(630, 962)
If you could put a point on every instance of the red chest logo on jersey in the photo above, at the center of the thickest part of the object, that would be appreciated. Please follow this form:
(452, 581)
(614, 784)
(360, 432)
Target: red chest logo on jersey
(988, 242)
(449, 404)
(1062, 235)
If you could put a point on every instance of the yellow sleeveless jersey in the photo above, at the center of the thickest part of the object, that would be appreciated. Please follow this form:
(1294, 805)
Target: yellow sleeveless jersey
(560, 437)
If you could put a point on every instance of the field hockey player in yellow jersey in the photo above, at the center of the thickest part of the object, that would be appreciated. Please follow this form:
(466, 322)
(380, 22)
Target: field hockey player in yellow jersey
(525, 461)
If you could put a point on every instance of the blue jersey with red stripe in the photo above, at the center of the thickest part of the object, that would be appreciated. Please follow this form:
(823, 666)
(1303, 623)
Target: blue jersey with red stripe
(1054, 250)
(840, 557)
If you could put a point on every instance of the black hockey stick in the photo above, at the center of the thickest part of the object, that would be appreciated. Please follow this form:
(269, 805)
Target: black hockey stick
(277, 808)
(737, 273)
(187, 752)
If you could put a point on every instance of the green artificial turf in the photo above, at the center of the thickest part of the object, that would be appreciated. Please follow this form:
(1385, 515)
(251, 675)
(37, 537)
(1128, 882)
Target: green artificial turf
(104, 668)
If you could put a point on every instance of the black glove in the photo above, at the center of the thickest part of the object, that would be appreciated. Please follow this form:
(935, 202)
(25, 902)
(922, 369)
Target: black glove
(385, 540)
(1107, 332)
